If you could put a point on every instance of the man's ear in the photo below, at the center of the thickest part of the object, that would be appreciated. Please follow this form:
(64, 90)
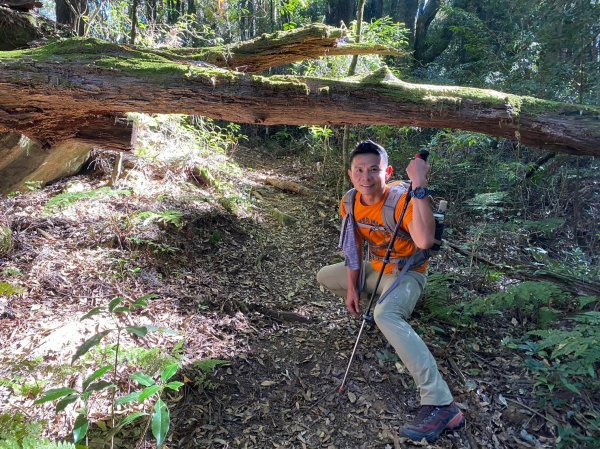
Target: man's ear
(350, 173)
(388, 172)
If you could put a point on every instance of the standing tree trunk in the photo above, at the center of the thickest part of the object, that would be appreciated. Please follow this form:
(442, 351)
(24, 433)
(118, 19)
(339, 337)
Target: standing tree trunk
(191, 7)
(373, 10)
(426, 14)
(405, 11)
(351, 72)
(151, 11)
(339, 11)
(274, 14)
(70, 12)
(134, 6)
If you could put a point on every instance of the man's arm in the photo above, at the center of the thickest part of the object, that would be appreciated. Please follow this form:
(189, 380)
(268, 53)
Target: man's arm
(422, 225)
(353, 295)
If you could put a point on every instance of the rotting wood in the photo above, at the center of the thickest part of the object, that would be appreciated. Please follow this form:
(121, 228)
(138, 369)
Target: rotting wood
(279, 315)
(288, 186)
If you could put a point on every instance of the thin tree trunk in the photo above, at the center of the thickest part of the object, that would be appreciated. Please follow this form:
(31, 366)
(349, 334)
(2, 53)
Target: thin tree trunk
(151, 11)
(351, 72)
(274, 12)
(69, 12)
(339, 11)
(191, 7)
(424, 19)
(134, 6)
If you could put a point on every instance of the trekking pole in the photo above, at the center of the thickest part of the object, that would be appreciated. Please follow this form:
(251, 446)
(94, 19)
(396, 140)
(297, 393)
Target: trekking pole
(367, 316)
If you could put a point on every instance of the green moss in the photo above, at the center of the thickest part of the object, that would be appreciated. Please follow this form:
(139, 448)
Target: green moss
(454, 96)
(283, 83)
(124, 59)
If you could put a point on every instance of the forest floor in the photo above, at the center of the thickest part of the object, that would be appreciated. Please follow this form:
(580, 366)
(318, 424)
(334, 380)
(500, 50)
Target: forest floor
(239, 288)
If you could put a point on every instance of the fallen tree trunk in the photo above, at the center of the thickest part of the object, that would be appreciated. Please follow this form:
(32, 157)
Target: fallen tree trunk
(277, 49)
(45, 93)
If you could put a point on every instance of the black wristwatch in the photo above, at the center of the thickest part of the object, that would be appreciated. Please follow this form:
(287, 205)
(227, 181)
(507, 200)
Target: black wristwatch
(420, 193)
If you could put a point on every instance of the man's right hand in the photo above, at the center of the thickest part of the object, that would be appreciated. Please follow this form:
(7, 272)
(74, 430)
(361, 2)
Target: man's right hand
(353, 302)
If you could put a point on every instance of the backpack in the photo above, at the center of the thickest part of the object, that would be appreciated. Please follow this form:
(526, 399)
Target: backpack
(388, 215)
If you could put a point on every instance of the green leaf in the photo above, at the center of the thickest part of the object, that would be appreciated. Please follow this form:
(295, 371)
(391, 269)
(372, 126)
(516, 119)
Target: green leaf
(122, 310)
(100, 385)
(169, 371)
(207, 365)
(160, 422)
(131, 418)
(91, 313)
(131, 397)
(142, 301)
(114, 303)
(149, 391)
(140, 331)
(143, 379)
(54, 394)
(95, 376)
(62, 404)
(80, 428)
(125, 421)
(174, 385)
(89, 344)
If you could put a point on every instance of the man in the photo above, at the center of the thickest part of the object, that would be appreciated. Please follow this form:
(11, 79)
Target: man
(399, 291)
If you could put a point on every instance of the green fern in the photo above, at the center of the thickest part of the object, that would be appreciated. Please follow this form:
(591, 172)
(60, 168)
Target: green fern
(575, 352)
(17, 432)
(544, 227)
(66, 199)
(437, 299)
(34, 443)
(527, 299)
(487, 202)
(166, 217)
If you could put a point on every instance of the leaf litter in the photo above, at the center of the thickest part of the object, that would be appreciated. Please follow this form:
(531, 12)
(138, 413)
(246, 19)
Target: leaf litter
(240, 289)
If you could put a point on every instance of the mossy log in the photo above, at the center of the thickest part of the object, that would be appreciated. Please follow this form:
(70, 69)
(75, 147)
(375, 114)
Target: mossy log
(47, 92)
(280, 48)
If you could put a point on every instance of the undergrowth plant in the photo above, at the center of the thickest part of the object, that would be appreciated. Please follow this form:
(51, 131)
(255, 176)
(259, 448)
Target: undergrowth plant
(148, 396)
(568, 359)
(437, 300)
(64, 200)
(17, 432)
(529, 301)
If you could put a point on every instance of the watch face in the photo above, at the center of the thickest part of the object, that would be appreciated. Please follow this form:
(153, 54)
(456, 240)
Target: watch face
(420, 193)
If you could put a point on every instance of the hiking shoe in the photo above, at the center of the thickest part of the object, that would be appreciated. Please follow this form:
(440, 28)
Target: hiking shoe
(432, 421)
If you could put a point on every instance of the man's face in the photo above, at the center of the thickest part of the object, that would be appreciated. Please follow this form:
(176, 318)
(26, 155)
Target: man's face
(369, 174)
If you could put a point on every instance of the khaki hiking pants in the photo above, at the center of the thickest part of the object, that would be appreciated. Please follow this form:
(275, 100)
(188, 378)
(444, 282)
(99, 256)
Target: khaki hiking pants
(390, 316)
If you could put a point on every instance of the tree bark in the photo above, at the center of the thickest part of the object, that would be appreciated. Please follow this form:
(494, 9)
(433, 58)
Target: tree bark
(46, 93)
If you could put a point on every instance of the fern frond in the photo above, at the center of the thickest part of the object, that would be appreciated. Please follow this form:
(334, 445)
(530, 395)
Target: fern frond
(66, 199)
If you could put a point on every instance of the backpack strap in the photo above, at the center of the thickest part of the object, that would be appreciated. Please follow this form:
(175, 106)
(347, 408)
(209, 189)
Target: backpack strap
(349, 198)
(389, 209)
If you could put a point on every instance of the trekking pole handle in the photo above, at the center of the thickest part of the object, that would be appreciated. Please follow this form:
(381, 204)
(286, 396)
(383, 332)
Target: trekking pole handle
(423, 154)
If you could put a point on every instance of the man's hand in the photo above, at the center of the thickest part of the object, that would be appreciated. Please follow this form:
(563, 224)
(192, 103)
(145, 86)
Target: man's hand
(417, 171)
(353, 303)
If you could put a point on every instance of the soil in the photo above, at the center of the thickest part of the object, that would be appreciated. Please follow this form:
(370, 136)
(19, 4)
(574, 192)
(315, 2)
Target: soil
(238, 287)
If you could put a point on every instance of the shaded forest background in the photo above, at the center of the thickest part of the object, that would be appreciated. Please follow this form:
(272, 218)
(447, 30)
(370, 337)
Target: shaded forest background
(523, 224)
